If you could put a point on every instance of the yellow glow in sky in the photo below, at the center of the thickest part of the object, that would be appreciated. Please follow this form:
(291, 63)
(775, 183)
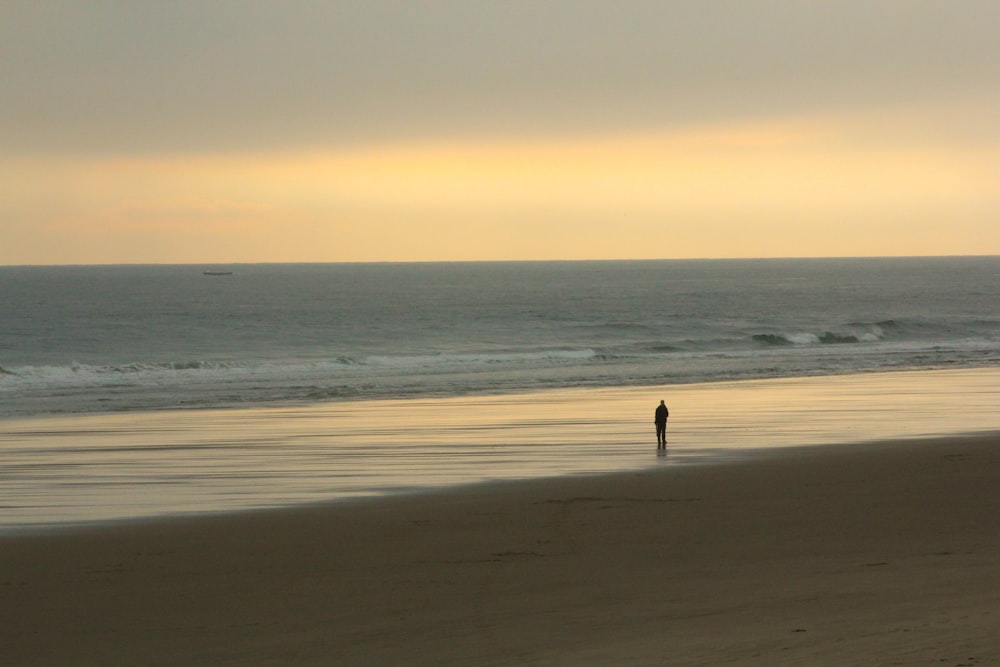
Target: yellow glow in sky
(800, 187)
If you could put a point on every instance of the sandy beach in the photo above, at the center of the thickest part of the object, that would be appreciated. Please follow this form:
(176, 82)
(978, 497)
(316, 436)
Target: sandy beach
(874, 554)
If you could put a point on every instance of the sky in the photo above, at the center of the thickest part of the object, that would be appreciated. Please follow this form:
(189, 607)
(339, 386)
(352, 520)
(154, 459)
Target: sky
(143, 131)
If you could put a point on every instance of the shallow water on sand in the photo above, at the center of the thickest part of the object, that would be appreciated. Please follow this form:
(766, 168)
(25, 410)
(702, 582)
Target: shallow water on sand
(105, 467)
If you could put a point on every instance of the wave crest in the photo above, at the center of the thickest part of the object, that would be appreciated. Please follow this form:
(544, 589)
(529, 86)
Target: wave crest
(855, 333)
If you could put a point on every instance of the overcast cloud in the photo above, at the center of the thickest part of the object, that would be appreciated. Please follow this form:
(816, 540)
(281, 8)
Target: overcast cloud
(147, 76)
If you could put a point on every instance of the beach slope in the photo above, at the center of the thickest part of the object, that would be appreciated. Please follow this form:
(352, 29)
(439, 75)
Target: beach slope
(873, 554)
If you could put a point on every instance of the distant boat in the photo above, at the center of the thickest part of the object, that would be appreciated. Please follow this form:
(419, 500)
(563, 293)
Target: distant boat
(217, 273)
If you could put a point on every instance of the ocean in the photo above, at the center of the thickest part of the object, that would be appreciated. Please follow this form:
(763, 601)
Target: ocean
(127, 338)
(132, 391)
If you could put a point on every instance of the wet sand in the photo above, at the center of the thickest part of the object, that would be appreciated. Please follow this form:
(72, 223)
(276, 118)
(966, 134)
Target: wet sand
(873, 554)
(79, 468)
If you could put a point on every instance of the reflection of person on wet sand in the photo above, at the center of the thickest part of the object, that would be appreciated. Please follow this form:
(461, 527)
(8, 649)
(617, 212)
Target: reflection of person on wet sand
(661, 425)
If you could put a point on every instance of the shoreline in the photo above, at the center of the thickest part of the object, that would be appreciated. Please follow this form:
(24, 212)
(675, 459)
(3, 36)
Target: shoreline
(824, 555)
(513, 393)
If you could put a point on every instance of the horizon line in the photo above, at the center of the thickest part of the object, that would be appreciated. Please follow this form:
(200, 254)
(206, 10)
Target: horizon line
(504, 261)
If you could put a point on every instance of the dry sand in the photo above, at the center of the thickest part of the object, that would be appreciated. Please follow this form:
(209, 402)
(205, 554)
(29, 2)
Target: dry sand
(883, 554)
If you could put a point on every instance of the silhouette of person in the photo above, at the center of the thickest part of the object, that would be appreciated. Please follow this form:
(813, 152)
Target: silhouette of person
(661, 425)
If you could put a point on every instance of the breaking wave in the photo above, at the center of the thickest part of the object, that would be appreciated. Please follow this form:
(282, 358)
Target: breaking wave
(854, 333)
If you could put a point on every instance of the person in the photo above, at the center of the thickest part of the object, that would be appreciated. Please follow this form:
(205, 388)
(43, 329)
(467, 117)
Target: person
(661, 425)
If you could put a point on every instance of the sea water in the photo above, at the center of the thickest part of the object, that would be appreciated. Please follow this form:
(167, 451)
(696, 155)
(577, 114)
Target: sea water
(139, 390)
(126, 338)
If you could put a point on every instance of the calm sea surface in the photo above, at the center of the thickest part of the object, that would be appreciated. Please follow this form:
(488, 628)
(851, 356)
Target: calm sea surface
(100, 339)
(143, 390)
